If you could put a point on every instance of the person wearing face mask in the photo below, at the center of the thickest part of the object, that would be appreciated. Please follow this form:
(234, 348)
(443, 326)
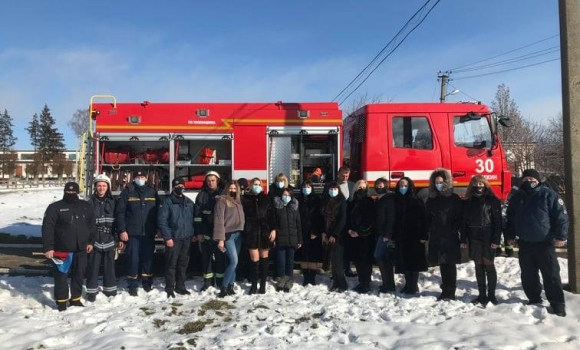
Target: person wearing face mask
(481, 228)
(175, 220)
(259, 233)
(288, 238)
(410, 235)
(335, 216)
(312, 224)
(443, 222)
(228, 223)
(538, 217)
(359, 239)
(136, 223)
(280, 183)
(384, 226)
(69, 227)
(103, 206)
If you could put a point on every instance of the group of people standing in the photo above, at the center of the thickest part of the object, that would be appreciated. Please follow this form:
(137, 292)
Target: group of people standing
(396, 230)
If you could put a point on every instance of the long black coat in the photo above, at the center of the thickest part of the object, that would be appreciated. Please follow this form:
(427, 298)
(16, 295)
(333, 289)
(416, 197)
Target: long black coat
(259, 220)
(410, 229)
(312, 223)
(481, 226)
(288, 226)
(444, 222)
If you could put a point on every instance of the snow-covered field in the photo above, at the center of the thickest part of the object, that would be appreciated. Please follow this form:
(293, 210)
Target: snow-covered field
(306, 318)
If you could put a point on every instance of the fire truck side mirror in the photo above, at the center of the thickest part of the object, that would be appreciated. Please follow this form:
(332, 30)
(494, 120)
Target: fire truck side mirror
(505, 121)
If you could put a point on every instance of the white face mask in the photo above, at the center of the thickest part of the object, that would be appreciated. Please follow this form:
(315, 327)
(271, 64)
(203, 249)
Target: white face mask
(439, 187)
(256, 189)
(306, 190)
(280, 184)
(139, 182)
(333, 193)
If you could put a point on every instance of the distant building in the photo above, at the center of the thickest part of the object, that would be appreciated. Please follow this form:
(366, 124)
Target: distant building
(520, 156)
(24, 163)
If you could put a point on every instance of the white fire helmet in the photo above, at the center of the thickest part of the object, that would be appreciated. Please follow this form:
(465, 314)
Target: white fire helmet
(102, 178)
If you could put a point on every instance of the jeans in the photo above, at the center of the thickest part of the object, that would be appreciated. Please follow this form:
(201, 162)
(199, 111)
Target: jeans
(233, 246)
(284, 261)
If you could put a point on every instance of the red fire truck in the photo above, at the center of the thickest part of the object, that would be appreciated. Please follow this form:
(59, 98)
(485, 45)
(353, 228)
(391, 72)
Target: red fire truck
(237, 140)
(393, 140)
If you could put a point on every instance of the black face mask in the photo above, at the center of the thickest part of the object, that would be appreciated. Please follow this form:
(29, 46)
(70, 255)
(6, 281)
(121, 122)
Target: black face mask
(233, 194)
(360, 193)
(478, 191)
(381, 190)
(70, 197)
(178, 191)
(529, 186)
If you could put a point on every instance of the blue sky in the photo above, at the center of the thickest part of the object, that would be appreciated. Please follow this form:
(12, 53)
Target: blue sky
(60, 53)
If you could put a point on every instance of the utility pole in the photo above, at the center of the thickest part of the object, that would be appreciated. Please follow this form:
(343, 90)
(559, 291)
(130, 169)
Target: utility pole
(570, 51)
(444, 76)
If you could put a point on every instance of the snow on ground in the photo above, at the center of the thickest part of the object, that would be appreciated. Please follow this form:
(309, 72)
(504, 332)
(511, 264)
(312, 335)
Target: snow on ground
(306, 318)
(22, 210)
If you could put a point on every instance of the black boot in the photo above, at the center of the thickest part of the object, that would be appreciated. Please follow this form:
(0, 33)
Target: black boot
(263, 275)
(230, 290)
(481, 286)
(313, 273)
(61, 306)
(491, 283)
(223, 292)
(206, 284)
(388, 277)
(254, 270)
(306, 276)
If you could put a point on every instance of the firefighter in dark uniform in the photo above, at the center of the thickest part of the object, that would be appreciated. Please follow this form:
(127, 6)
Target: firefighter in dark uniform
(104, 246)
(537, 215)
(175, 219)
(69, 227)
(136, 223)
(203, 226)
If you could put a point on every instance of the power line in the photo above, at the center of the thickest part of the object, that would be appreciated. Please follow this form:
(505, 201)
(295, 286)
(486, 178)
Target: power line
(505, 53)
(391, 52)
(358, 76)
(507, 70)
(528, 56)
(461, 92)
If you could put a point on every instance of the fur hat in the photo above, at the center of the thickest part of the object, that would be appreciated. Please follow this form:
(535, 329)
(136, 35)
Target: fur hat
(447, 179)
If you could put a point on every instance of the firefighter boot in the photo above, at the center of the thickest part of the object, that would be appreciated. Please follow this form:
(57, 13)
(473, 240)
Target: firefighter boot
(206, 284)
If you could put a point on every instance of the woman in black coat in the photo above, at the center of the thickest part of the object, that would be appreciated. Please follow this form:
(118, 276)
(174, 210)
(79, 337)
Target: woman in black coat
(334, 213)
(410, 234)
(444, 221)
(288, 238)
(384, 232)
(482, 224)
(310, 205)
(258, 233)
(360, 223)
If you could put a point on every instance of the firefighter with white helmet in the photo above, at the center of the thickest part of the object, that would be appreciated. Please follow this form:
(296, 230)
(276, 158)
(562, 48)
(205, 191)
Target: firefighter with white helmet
(103, 206)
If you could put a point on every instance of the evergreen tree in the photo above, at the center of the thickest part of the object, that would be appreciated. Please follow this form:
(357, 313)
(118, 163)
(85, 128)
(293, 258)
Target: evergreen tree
(51, 141)
(7, 141)
(34, 132)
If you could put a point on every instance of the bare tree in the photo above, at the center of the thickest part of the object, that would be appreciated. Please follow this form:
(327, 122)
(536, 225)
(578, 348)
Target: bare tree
(58, 165)
(8, 161)
(520, 141)
(550, 157)
(79, 123)
(361, 101)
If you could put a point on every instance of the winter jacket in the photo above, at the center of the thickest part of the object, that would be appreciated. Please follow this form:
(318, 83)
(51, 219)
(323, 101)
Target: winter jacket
(410, 229)
(104, 211)
(203, 213)
(385, 215)
(257, 209)
(228, 217)
(288, 226)
(68, 226)
(312, 221)
(175, 218)
(482, 219)
(443, 221)
(136, 211)
(335, 216)
(361, 214)
(537, 217)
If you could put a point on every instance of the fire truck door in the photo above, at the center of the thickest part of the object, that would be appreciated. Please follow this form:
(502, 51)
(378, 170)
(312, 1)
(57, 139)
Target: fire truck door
(301, 152)
(414, 152)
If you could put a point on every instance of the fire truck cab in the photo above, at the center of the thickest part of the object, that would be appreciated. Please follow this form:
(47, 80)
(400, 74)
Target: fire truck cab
(236, 140)
(393, 140)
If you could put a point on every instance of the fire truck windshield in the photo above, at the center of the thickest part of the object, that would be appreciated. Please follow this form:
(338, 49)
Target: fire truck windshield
(472, 131)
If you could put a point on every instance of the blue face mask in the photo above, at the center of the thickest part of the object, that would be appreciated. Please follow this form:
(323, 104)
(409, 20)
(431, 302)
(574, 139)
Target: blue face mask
(439, 187)
(256, 189)
(139, 182)
(280, 184)
(306, 190)
(286, 199)
(333, 193)
(403, 190)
